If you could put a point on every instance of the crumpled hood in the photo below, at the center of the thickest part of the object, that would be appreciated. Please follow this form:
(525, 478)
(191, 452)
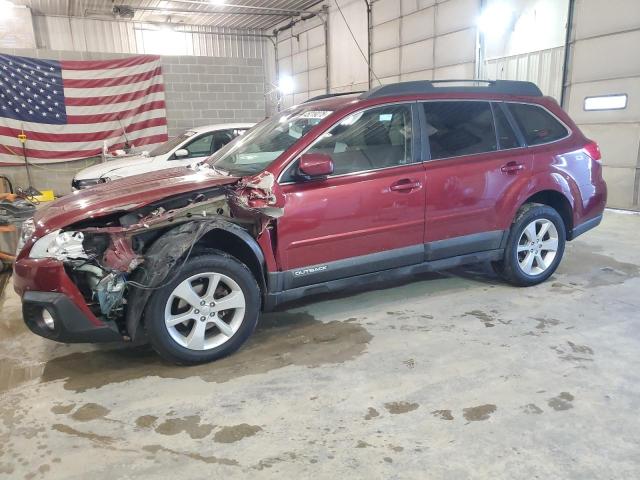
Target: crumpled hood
(124, 195)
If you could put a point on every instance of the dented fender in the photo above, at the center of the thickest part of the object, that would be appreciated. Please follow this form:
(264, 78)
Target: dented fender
(169, 251)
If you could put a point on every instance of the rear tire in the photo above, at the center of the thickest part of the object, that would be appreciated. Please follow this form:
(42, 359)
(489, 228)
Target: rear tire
(207, 312)
(534, 247)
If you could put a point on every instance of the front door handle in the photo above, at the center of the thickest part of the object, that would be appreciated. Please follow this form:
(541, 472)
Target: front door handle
(405, 185)
(512, 167)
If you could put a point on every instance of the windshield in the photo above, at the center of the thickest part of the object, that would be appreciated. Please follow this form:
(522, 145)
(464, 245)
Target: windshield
(170, 144)
(261, 145)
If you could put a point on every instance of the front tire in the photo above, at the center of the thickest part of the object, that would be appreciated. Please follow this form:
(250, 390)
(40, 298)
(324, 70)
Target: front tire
(535, 246)
(206, 312)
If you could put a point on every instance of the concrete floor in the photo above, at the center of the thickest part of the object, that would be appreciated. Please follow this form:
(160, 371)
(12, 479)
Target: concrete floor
(449, 376)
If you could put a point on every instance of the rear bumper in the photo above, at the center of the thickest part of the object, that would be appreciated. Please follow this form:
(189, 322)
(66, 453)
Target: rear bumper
(584, 227)
(70, 324)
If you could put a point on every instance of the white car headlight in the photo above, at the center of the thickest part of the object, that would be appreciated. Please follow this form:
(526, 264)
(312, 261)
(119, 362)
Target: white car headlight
(59, 245)
(26, 232)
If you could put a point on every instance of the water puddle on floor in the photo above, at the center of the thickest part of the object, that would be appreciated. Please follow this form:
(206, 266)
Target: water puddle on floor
(282, 339)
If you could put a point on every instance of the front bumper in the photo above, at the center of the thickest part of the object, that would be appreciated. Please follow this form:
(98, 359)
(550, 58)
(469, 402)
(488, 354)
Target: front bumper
(44, 284)
(70, 324)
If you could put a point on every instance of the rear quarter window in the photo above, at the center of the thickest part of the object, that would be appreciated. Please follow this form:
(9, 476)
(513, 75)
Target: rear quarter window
(536, 124)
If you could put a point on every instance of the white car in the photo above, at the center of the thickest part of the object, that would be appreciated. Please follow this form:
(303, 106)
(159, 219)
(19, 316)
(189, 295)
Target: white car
(189, 148)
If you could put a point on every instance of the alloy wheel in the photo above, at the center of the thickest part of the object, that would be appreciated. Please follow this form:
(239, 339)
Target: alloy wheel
(204, 311)
(537, 247)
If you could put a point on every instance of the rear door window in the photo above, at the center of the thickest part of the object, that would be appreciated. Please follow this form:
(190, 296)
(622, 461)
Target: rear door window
(506, 136)
(537, 125)
(456, 128)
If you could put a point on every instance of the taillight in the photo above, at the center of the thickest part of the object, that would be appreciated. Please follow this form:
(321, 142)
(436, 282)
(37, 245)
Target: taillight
(593, 150)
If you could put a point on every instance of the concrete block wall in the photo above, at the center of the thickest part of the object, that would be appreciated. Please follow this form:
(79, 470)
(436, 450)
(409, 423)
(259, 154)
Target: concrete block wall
(198, 91)
(209, 90)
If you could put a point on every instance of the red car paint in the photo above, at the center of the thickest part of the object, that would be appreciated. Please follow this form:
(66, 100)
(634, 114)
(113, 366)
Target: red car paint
(359, 214)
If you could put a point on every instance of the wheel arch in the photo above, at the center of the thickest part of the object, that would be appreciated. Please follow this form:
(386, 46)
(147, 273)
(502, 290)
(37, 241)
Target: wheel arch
(556, 200)
(169, 250)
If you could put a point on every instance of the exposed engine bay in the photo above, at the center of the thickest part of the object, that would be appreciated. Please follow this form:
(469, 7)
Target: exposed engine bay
(118, 260)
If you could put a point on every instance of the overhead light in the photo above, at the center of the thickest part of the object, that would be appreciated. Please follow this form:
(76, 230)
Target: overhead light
(5, 7)
(496, 18)
(286, 85)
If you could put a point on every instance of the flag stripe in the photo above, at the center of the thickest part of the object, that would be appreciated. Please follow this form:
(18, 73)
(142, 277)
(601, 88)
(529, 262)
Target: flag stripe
(115, 107)
(31, 127)
(108, 91)
(79, 137)
(113, 99)
(113, 116)
(105, 74)
(77, 154)
(82, 144)
(108, 64)
(111, 82)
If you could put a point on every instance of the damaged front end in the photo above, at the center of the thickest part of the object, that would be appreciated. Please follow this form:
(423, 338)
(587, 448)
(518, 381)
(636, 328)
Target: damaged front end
(118, 260)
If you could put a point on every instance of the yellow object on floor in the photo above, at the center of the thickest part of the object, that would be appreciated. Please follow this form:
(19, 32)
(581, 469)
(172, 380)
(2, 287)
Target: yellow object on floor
(47, 196)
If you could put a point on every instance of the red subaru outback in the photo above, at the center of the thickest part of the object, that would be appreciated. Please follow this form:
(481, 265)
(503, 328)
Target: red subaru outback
(335, 192)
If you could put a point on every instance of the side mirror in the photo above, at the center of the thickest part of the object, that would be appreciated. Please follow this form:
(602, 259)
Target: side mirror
(315, 166)
(181, 153)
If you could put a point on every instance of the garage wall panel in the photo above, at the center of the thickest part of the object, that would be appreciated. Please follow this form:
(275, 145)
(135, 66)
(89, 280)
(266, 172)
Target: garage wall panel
(604, 61)
(610, 56)
(455, 15)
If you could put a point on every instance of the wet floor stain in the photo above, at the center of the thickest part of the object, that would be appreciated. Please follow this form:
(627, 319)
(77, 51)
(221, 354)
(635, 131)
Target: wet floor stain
(397, 408)
(94, 437)
(479, 413)
(443, 414)
(488, 319)
(154, 449)
(235, 433)
(190, 425)
(371, 413)
(590, 269)
(582, 349)
(89, 411)
(564, 401)
(282, 339)
(146, 421)
(531, 409)
(575, 353)
(62, 409)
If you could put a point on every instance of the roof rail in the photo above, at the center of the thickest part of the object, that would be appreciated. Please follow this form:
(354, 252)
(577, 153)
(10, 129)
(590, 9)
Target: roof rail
(505, 87)
(331, 95)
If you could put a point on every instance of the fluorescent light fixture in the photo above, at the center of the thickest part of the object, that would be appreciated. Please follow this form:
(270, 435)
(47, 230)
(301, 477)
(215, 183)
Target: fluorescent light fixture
(496, 18)
(286, 85)
(606, 102)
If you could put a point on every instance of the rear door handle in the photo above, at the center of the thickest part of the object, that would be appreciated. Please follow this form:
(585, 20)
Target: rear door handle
(405, 184)
(512, 167)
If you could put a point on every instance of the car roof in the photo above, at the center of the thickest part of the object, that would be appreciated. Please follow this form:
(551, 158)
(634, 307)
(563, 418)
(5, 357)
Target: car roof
(220, 126)
(437, 89)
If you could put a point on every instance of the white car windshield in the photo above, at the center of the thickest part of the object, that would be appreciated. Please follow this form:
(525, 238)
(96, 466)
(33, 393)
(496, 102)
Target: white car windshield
(260, 146)
(170, 144)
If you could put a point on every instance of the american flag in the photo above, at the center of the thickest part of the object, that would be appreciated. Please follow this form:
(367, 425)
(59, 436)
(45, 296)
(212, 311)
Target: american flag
(68, 109)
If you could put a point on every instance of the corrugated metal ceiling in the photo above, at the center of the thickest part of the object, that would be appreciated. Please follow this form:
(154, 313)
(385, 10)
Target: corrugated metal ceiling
(236, 14)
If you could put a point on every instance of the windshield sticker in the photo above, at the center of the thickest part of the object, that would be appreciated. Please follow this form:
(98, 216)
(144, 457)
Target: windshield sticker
(319, 114)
